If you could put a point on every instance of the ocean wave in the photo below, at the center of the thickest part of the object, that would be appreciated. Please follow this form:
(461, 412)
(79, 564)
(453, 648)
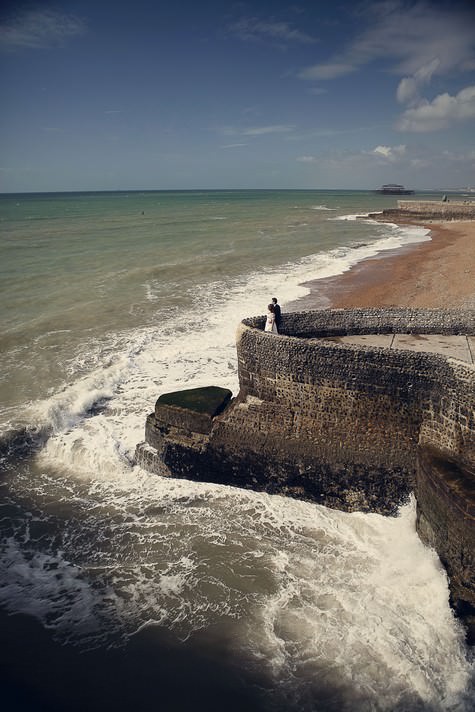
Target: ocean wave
(322, 207)
(354, 216)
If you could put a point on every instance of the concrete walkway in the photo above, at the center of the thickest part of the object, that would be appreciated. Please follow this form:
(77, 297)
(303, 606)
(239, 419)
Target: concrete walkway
(459, 346)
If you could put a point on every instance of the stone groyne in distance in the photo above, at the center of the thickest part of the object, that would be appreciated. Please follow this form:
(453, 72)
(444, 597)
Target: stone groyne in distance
(429, 210)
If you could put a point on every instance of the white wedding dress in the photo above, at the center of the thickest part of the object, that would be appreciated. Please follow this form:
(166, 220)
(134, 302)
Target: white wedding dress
(270, 323)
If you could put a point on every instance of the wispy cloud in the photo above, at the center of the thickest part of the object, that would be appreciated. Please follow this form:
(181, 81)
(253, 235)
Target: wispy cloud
(412, 36)
(331, 70)
(415, 36)
(39, 29)
(408, 91)
(439, 113)
(233, 145)
(256, 130)
(261, 130)
(256, 30)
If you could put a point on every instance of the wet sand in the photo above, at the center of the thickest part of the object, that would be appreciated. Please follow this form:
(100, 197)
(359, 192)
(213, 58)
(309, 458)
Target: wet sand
(436, 273)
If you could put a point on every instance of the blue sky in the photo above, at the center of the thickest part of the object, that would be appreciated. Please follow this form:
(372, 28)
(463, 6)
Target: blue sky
(100, 95)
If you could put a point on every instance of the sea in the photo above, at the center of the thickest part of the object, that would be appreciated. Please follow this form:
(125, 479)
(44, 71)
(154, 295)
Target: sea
(120, 589)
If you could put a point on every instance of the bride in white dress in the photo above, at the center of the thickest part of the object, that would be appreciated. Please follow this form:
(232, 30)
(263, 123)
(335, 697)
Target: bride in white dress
(270, 321)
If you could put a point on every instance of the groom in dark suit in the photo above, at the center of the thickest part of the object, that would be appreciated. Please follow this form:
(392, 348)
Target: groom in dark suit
(276, 311)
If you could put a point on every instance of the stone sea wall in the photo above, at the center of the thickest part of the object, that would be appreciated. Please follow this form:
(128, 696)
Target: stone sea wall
(349, 426)
(336, 423)
(431, 210)
(349, 417)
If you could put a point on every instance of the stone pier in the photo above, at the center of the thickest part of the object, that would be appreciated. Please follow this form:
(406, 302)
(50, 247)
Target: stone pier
(354, 409)
(422, 210)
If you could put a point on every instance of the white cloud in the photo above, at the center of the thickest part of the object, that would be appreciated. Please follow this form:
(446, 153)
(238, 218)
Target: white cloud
(382, 150)
(253, 29)
(306, 159)
(439, 113)
(391, 153)
(39, 29)
(233, 145)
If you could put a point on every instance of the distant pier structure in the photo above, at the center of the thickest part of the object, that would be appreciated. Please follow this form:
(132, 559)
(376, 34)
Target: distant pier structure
(394, 189)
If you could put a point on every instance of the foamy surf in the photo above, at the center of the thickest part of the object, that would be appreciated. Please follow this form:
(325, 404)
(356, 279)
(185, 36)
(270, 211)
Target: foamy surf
(326, 599)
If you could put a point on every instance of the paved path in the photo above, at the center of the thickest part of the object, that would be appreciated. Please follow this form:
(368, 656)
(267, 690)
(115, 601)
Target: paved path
(459, 346)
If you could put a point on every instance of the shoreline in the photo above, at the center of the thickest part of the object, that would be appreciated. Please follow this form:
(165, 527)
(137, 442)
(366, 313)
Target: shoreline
(438, 273)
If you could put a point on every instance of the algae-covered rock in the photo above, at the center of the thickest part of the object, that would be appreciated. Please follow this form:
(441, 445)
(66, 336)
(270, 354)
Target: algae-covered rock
(210, 400)
(192, 409)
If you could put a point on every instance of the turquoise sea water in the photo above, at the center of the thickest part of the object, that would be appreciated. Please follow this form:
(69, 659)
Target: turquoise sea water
(109, 300)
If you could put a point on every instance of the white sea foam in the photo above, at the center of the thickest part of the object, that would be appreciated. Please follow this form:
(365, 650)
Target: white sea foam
(49, 588)
(323, 599)
(353, 216)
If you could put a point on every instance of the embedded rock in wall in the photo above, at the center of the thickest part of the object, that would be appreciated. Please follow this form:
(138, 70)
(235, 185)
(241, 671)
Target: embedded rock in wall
(179, 429)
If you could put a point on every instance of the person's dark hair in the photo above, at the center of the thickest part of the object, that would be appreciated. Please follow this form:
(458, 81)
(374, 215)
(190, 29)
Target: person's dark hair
(270, 307)
(274, 299)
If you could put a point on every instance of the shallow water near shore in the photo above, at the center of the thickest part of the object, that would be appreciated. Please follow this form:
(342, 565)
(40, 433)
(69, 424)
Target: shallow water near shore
(128, 580)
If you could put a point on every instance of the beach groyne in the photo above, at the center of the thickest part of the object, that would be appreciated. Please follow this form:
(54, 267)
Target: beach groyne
(357, 427)
(430, 210)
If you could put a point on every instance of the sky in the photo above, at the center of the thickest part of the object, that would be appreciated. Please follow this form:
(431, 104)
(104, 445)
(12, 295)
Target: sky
(198, 94)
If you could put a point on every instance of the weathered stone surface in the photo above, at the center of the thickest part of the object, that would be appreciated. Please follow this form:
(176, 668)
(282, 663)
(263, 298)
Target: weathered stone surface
(445, 493)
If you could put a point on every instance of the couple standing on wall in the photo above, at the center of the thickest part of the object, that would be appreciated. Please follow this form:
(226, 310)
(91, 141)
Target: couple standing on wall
(273, 317)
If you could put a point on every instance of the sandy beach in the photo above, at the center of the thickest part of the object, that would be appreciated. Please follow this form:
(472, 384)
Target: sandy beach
(436, 273)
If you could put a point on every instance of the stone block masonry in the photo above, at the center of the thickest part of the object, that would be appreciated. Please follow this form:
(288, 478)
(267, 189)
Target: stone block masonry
(430, 210)
(352, 426)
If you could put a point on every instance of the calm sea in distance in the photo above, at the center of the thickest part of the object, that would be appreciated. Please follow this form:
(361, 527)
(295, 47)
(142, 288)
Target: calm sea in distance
(123, 590)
